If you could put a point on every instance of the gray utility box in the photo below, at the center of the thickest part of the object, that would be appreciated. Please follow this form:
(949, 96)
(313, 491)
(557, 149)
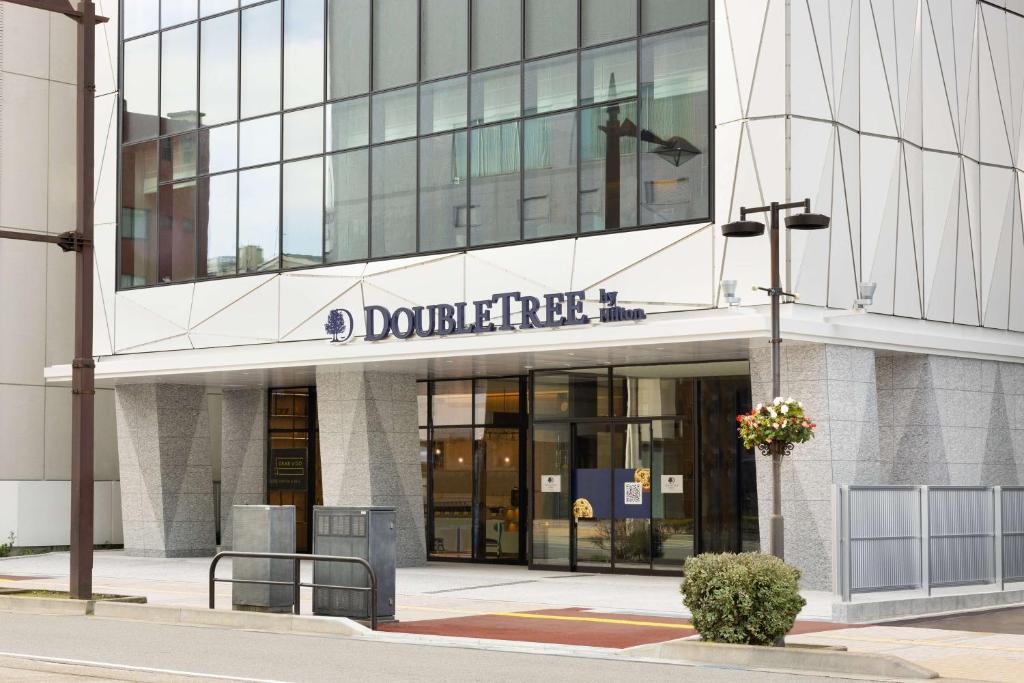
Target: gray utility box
(366, 532)
(262, 529)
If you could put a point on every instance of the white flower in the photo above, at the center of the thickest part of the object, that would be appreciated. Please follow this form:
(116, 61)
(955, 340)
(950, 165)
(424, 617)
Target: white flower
(778, 400)
(784, 409)
(799, 403)
(759, 406)
(771, 411)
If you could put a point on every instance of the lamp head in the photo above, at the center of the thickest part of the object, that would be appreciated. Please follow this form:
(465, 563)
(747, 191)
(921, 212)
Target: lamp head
(807, 221)
(743, 229)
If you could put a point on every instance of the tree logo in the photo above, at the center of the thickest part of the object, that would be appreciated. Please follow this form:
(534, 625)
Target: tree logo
(339, 325)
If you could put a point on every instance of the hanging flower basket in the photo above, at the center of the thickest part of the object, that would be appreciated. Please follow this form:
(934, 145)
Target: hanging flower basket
(776, 427)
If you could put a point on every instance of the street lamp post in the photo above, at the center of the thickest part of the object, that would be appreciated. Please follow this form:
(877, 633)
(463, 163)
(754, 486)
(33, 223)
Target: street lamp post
(745, 228)
(80, 241)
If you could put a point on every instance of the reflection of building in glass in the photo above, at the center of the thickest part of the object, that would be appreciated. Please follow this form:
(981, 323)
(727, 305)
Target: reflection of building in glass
(333, 134)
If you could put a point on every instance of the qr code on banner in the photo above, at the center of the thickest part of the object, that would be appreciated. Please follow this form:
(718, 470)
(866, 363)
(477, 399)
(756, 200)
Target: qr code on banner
(634, 493)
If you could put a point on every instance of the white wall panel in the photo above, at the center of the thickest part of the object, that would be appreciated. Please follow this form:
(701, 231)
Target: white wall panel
(151, 315)
(308, 295)
(23, 149)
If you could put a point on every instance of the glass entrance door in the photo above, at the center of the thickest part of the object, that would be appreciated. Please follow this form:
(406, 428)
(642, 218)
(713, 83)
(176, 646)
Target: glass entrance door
(611, 509)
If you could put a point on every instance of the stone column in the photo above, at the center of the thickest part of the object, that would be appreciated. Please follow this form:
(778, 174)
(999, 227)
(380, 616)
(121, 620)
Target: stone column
(837, 387)
(369, 448)
(163, 443)
(243, 454)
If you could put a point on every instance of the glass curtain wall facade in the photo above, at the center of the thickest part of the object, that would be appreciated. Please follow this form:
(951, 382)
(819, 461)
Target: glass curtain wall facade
(263, 136)
(472, 445)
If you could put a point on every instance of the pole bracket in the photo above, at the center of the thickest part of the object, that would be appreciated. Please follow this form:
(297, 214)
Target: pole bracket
(71, 241)
(80, 384)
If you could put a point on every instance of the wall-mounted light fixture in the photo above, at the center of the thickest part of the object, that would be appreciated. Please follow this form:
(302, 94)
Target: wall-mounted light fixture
(865, 295)
(729, 292)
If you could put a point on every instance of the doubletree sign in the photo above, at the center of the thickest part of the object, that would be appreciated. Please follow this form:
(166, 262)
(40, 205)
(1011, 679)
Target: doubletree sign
(558, 309)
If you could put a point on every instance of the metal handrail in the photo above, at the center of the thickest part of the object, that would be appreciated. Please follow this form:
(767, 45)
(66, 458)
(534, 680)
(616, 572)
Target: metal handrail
(296, 582)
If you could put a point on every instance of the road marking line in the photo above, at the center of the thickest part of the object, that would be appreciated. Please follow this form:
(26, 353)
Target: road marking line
(558, 617)
(128, 667)
(596, 620)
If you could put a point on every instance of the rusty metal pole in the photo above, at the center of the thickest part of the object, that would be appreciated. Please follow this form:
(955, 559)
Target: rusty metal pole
(83, 367)
(79, 241)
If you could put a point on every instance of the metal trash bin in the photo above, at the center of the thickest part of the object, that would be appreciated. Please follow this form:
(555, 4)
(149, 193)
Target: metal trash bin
(262, 529)
(366, 532)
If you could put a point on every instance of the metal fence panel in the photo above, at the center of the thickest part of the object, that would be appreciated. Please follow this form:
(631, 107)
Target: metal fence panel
(1013, 533)
(961, 535)
(885, 538)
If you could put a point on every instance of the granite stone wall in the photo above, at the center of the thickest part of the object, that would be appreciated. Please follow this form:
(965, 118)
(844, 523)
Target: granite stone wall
(369, 448)
(243, 454)
(946, 420)
(163, 444)
(837, 387)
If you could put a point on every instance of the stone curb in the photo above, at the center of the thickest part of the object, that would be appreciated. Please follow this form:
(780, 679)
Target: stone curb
(253, 621)
(65, 606)
(788, 658)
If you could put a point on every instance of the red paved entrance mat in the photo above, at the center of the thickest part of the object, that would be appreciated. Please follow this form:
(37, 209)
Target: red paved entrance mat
(571, 626)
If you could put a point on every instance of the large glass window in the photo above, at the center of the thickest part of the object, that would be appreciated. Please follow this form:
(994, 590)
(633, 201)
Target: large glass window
(439, 124)
(442, 191)
(472, 438)
(217, 219)
(141, 119)
(178, 80)
(394, 199)
(549, 196)
(302, 213)
(140, 250)
(346, 206)
(674, 137)
(261, 59)
(258, 224)
(303, 52)
(218, 80)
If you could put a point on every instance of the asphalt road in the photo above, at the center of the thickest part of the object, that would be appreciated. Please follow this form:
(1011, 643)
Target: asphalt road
(285, 657)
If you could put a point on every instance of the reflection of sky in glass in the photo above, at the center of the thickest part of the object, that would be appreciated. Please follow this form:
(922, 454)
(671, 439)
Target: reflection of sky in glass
(303, 210)
(222, 147)
(261, 59)
(140, 87)
(303, 53)
(257, 218)
(175, 11)
(259, 141)
(140, 16)
(178, 76)
(208, 7)
(303, 132)
(218, 82)
(220, 236)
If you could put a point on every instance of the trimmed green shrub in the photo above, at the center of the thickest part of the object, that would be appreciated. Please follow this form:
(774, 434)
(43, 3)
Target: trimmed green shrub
(748, 598)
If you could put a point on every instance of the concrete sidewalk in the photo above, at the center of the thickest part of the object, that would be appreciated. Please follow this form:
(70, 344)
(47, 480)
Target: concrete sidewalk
(448, 591)
(435, 591)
